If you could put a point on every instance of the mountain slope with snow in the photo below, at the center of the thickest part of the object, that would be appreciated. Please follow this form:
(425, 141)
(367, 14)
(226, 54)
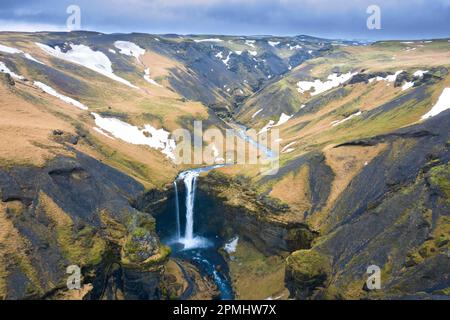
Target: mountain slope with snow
(363, 143)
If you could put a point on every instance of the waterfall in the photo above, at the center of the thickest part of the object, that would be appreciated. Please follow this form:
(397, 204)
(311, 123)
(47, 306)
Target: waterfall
(190, 182)
(190, 240)
(177, 211)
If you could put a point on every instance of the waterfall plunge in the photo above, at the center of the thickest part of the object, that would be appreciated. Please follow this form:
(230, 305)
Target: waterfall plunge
(190, 182)
(190, 241)
(177, 211)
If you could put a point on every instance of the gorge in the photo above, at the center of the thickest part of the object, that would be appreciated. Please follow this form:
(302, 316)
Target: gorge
(192, 247)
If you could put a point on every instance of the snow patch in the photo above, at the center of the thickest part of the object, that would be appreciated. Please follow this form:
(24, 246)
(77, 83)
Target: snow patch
(5, 69)
(296, 47)
(31, 58)
(231, 246)
(253, 53)
(319, 87)
(407, 85)
(10, 50)
(53, 92)
(112, 51)
(149, 136)
(289, 150)
(288, 147)
(274, 298)
(256, 113)
(283, 119)
(267, 127)
(273, 43)
(102, 132)
(129, 49)
(389, 78)
(338, 122)
(208, 40)
(419, 73)
(250, 43)
(442, 104)
(150, 80)
(86, 57)
(227, 59)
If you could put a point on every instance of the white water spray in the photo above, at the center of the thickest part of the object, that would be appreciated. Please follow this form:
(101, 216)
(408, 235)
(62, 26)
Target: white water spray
(190, 182)
(177, 211)
(190, 240)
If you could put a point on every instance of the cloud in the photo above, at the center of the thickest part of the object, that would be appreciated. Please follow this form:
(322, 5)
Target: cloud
(328, 18)
(29, 27)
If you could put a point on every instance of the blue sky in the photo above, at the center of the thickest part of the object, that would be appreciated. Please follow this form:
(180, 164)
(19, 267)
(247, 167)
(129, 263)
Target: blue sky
(400, 19)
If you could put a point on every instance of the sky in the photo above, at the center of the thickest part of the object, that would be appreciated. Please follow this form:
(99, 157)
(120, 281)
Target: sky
(343, 19)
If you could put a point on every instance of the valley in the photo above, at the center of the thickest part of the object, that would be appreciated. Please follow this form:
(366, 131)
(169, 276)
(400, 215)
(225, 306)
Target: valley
(89, 173)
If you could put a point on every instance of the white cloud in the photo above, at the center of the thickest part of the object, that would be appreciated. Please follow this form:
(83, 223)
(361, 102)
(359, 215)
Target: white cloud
(8, 25)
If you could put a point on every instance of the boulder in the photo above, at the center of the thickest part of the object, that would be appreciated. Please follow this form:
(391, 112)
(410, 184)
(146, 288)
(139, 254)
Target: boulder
(306, 271)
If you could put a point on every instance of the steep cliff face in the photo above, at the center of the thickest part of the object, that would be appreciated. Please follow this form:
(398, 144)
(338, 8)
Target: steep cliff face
(259, 219)
(76, 211)
(394, 214)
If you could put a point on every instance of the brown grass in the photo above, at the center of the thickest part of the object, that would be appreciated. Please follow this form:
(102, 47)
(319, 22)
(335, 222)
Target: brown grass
(25, 129)
(294, 190)
(346, 163)
(255, 276)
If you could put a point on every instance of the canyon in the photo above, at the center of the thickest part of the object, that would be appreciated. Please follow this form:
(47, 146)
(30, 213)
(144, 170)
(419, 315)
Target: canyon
(88, 171)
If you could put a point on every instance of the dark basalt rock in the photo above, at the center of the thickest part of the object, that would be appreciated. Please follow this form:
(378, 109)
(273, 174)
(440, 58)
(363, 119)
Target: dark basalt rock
(387, 216)
(403, 77)
(360, 78)
(58, 132)
(96, 199)
(267, 235)
(364, 77)
(8, 79)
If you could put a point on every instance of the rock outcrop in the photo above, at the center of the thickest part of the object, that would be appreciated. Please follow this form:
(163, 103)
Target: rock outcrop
(256, 218)
(306, 272)
(76, 211)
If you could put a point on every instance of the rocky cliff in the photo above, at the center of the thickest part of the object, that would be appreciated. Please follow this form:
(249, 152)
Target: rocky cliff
(76, 211)
(394, 215)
